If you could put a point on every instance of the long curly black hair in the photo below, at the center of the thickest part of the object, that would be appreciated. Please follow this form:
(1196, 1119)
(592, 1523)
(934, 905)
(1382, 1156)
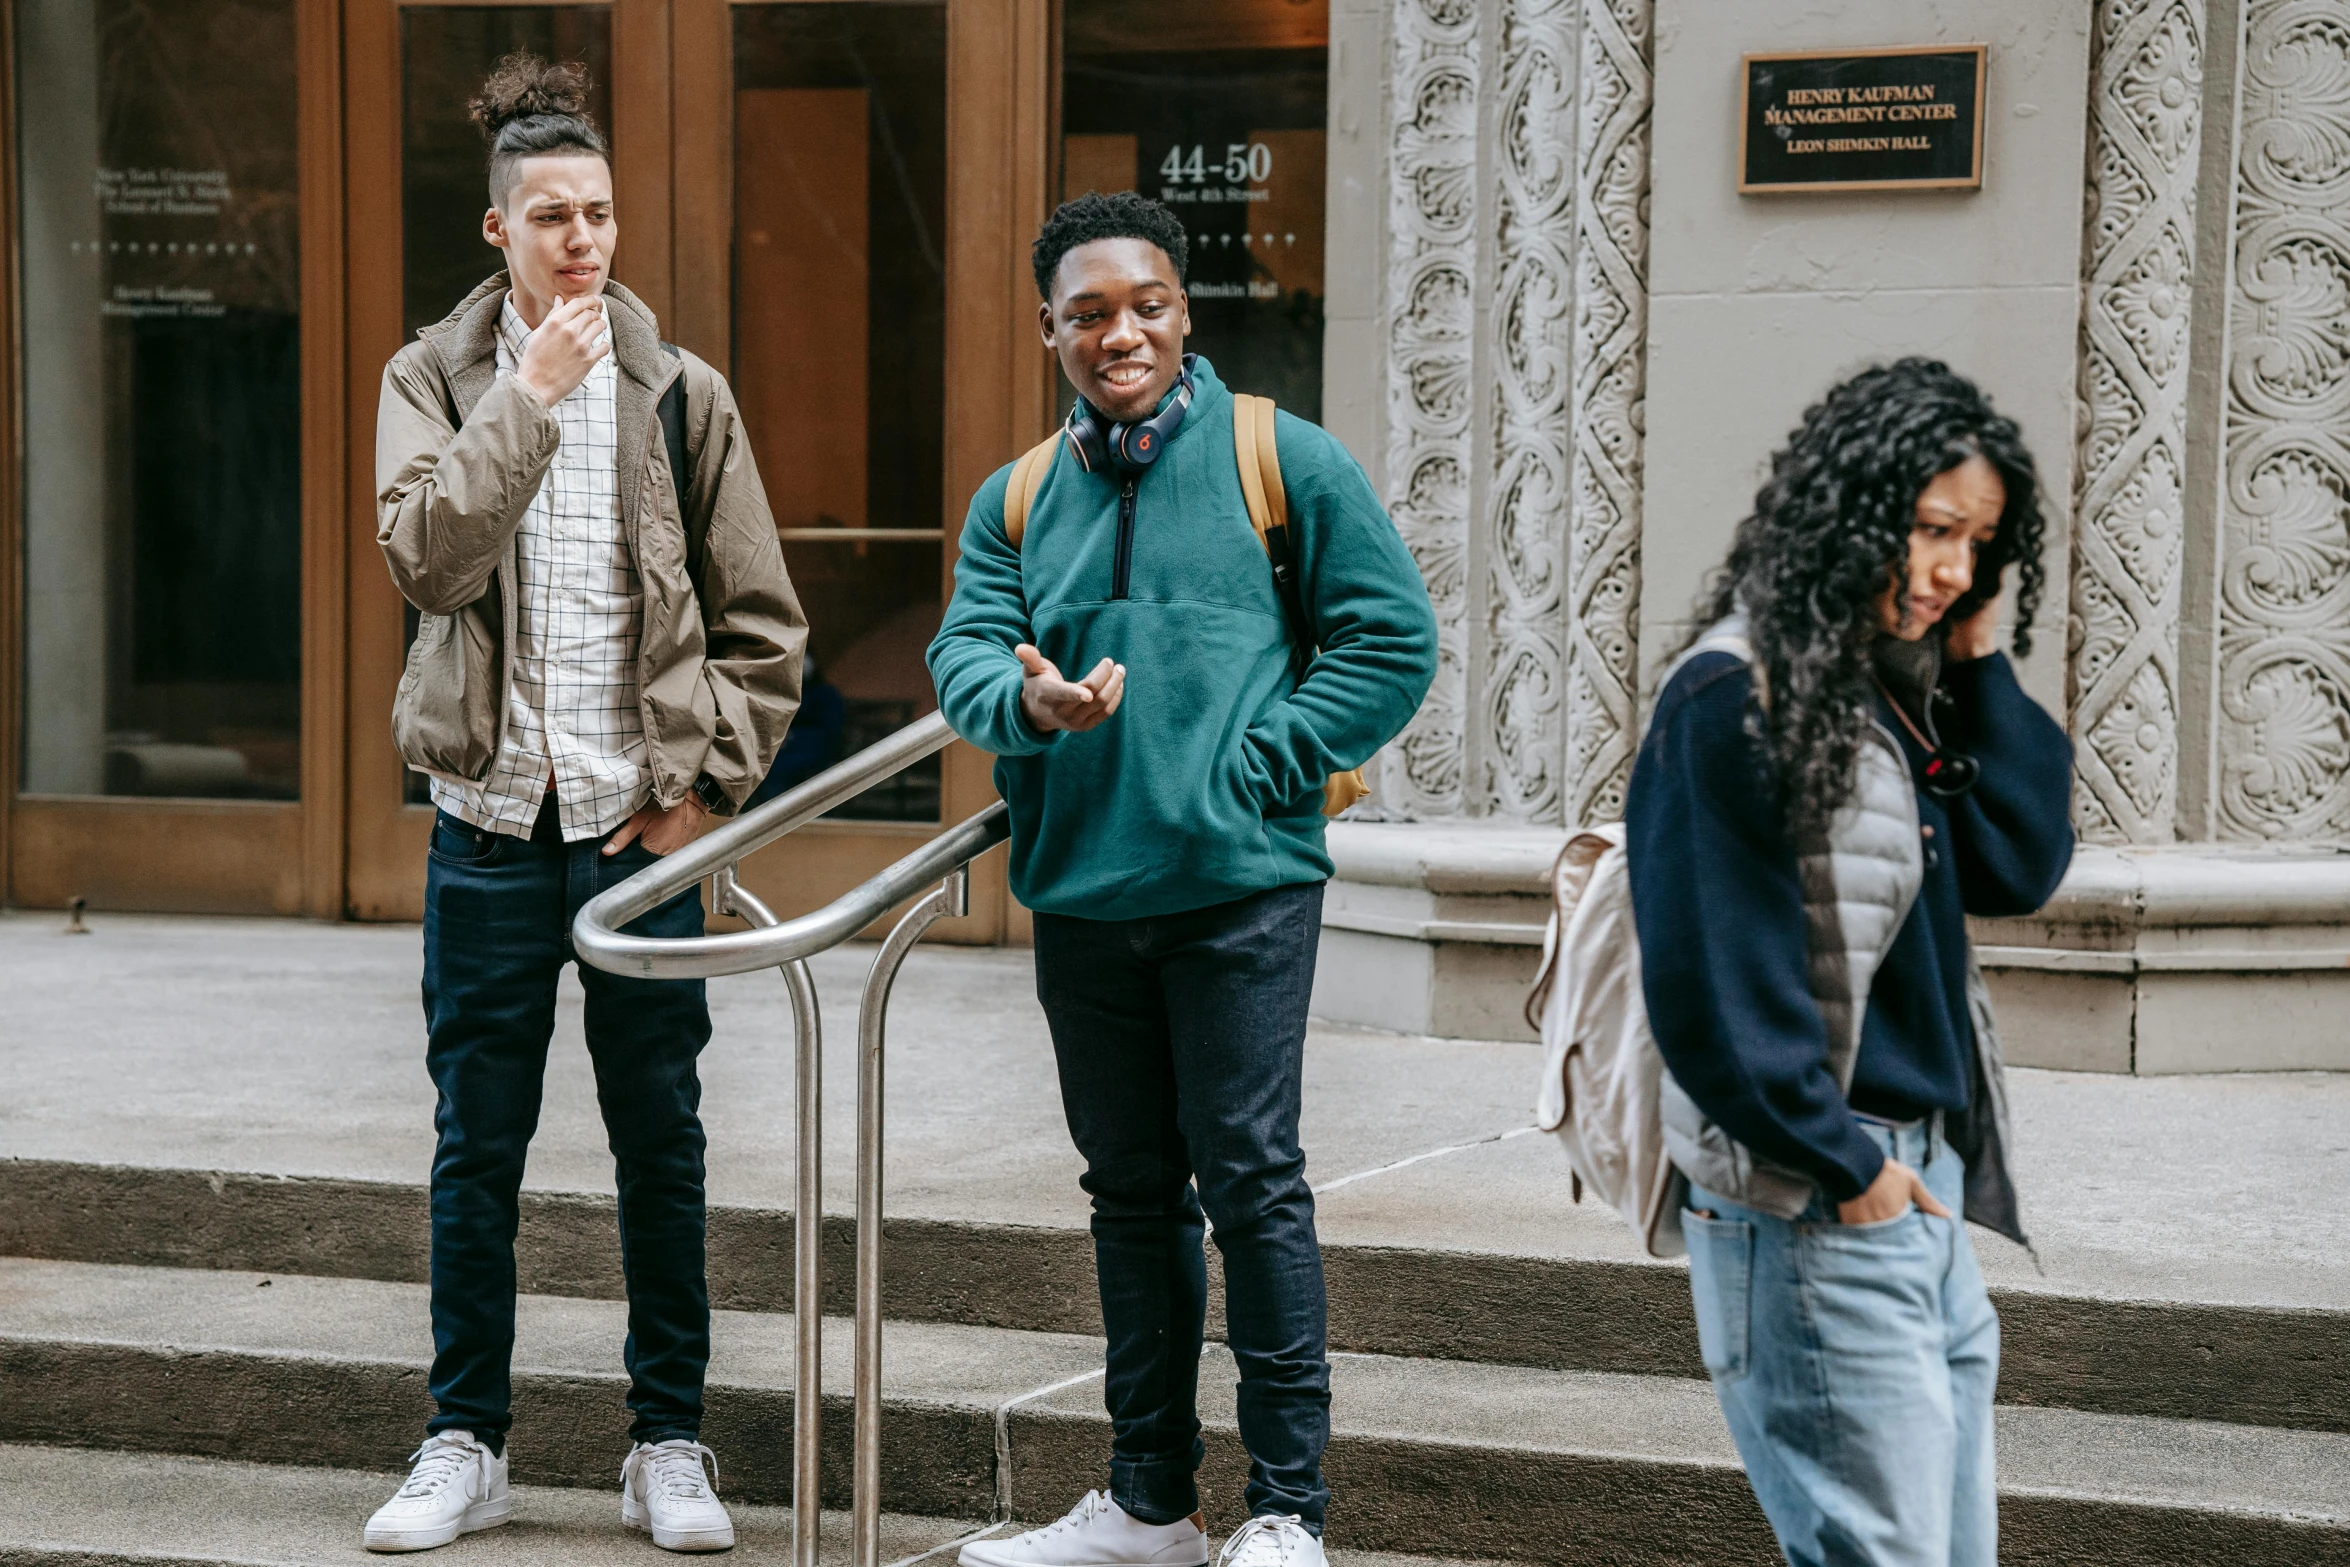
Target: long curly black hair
(1828, 532)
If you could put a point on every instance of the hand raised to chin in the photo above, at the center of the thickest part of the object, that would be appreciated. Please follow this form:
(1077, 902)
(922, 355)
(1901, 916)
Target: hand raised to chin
(565, 348)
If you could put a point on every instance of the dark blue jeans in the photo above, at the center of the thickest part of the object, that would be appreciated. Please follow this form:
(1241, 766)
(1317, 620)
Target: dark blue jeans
(497, 932)
(1181, 1041)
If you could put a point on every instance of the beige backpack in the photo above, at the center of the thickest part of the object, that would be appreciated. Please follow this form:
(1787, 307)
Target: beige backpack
(1602, 1075)
(1268, 513)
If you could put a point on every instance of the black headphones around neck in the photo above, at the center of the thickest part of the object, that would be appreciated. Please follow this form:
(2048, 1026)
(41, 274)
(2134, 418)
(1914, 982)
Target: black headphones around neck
(1129, 448)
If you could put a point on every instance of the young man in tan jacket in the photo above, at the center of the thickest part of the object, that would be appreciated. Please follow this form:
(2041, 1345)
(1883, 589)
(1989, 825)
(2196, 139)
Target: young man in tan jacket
(609, 652)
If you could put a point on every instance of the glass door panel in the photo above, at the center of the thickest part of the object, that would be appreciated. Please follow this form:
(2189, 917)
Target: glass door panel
(415, 177)
(839, 306)
(446, 51)
(1216, 108)
(156, 160)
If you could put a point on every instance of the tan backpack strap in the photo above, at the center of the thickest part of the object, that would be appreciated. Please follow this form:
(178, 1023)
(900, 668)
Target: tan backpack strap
(1260, 464)
(1027, 478)
(1268, 508)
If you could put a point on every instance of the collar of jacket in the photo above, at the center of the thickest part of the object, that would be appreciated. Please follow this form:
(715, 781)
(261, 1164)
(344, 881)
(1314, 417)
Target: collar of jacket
(466, 342)
(1910, 671)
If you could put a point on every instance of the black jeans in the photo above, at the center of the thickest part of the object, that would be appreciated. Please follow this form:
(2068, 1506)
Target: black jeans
(1181, 1041)
(497, 932)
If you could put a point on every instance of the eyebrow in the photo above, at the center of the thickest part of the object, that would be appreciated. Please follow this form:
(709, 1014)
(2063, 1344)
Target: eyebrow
(1096, 293)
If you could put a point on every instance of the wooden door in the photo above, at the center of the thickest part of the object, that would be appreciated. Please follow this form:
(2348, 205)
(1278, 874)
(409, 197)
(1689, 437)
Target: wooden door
(415, 170)
(170, 672)
(788, 177)
(857, 182)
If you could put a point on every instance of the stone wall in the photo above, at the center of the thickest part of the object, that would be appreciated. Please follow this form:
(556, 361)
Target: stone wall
(1565, 347)
(1508, 351)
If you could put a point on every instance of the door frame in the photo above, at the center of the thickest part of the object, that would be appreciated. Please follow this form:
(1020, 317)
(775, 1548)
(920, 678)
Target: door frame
(386, 836)
(673, 134)
(210, 856)
(998, 391)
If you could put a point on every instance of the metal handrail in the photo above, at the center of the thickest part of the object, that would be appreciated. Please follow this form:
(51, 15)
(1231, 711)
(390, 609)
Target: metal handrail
(942, 865)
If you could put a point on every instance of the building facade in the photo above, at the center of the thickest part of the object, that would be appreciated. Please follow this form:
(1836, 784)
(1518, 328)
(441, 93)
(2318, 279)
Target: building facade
(223, 216)
(1498, 246)
(1582, 343)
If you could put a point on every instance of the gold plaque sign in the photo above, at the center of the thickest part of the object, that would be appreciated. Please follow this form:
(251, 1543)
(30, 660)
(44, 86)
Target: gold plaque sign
(1862, 119)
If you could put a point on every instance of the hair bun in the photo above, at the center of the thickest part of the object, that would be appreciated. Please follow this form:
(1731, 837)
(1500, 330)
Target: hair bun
(524, 86)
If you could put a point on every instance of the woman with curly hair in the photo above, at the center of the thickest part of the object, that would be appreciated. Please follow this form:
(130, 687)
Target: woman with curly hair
(1840, 768)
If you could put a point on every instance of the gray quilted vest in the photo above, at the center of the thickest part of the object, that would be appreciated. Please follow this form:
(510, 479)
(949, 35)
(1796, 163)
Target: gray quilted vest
(1857, 889)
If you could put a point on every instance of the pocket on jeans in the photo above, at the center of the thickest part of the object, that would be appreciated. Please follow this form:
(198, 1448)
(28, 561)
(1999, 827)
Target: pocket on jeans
(1721, 1280)
(460, 843)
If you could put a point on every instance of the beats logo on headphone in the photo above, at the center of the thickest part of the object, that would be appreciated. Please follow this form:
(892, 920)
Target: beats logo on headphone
(1129, 447)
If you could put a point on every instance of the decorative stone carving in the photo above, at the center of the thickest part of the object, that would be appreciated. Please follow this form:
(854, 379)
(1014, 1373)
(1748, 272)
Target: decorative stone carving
(1432, 300)
(1533, 221)
(1610, 349)
(2144, 119)
(2284, 645)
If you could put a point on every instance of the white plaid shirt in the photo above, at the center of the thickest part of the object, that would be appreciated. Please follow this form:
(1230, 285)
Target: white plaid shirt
(572, 712)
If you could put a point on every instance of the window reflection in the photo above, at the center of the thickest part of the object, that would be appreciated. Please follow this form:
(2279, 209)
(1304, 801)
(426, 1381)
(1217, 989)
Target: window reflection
(1216, 108)
(839, 354)
(162, 397)
(446, 52)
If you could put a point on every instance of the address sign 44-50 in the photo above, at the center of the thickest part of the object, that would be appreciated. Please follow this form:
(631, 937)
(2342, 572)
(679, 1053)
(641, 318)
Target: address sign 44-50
(1245, 163)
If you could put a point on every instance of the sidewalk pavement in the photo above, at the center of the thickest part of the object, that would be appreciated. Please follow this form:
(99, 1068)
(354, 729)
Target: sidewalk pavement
(296, 1048)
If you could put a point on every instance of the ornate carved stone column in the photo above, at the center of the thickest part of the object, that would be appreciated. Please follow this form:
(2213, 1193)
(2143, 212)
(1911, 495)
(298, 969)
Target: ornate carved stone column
(1610, 380)
(1432, 300)
(1519, 712)
(2145, 127)
(2284, 621)
(1516, 283)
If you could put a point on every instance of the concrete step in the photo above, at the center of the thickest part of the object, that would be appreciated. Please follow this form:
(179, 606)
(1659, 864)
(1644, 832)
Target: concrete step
(1428, 1456)
(2250, 1364)
(73, 1507)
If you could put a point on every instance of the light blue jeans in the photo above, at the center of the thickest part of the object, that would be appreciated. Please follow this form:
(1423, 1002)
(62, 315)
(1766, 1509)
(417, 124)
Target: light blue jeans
(1855, 1364)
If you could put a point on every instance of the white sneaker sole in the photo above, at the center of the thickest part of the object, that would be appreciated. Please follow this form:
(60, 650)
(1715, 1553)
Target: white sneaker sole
(481, 1515)
(636, 1516)
(976, 1555)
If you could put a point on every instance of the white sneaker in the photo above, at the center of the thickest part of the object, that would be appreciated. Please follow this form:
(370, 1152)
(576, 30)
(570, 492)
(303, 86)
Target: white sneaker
(663, 1489)
(1096, 1533)
(1271, 1540)
(456, 1487)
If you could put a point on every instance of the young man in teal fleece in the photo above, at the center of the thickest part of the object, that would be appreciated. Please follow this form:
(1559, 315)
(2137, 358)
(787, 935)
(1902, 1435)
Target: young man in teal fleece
(1167, 832)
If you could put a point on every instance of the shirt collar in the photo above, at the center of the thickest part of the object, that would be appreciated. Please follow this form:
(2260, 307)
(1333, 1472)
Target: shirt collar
(512, 334)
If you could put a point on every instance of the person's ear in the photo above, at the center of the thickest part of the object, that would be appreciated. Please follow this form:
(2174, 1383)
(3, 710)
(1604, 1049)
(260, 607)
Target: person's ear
(493, 227)
(1183, 304)
(1044, 324)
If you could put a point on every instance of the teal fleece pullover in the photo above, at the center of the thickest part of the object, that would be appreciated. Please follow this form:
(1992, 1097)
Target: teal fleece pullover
(1206, 785)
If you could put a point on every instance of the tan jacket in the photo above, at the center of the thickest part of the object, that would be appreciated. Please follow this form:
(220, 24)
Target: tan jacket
(459, 452)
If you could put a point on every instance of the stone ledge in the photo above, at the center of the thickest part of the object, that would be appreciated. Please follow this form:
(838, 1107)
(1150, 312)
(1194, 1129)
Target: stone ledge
(1434, 927)
(2187, 958)
(2117, 890)
(1447, 857)
(2192, 958)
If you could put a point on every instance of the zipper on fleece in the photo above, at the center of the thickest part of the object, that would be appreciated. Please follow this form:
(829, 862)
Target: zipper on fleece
(1122, 573)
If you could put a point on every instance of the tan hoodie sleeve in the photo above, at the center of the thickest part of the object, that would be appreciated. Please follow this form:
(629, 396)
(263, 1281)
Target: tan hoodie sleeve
(448, 500)
(753, 628)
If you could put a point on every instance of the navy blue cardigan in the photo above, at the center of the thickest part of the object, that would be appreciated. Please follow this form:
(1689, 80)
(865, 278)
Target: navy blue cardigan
(1718, 901)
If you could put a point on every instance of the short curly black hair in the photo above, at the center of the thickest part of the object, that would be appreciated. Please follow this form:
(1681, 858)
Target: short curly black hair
(1092, 216)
